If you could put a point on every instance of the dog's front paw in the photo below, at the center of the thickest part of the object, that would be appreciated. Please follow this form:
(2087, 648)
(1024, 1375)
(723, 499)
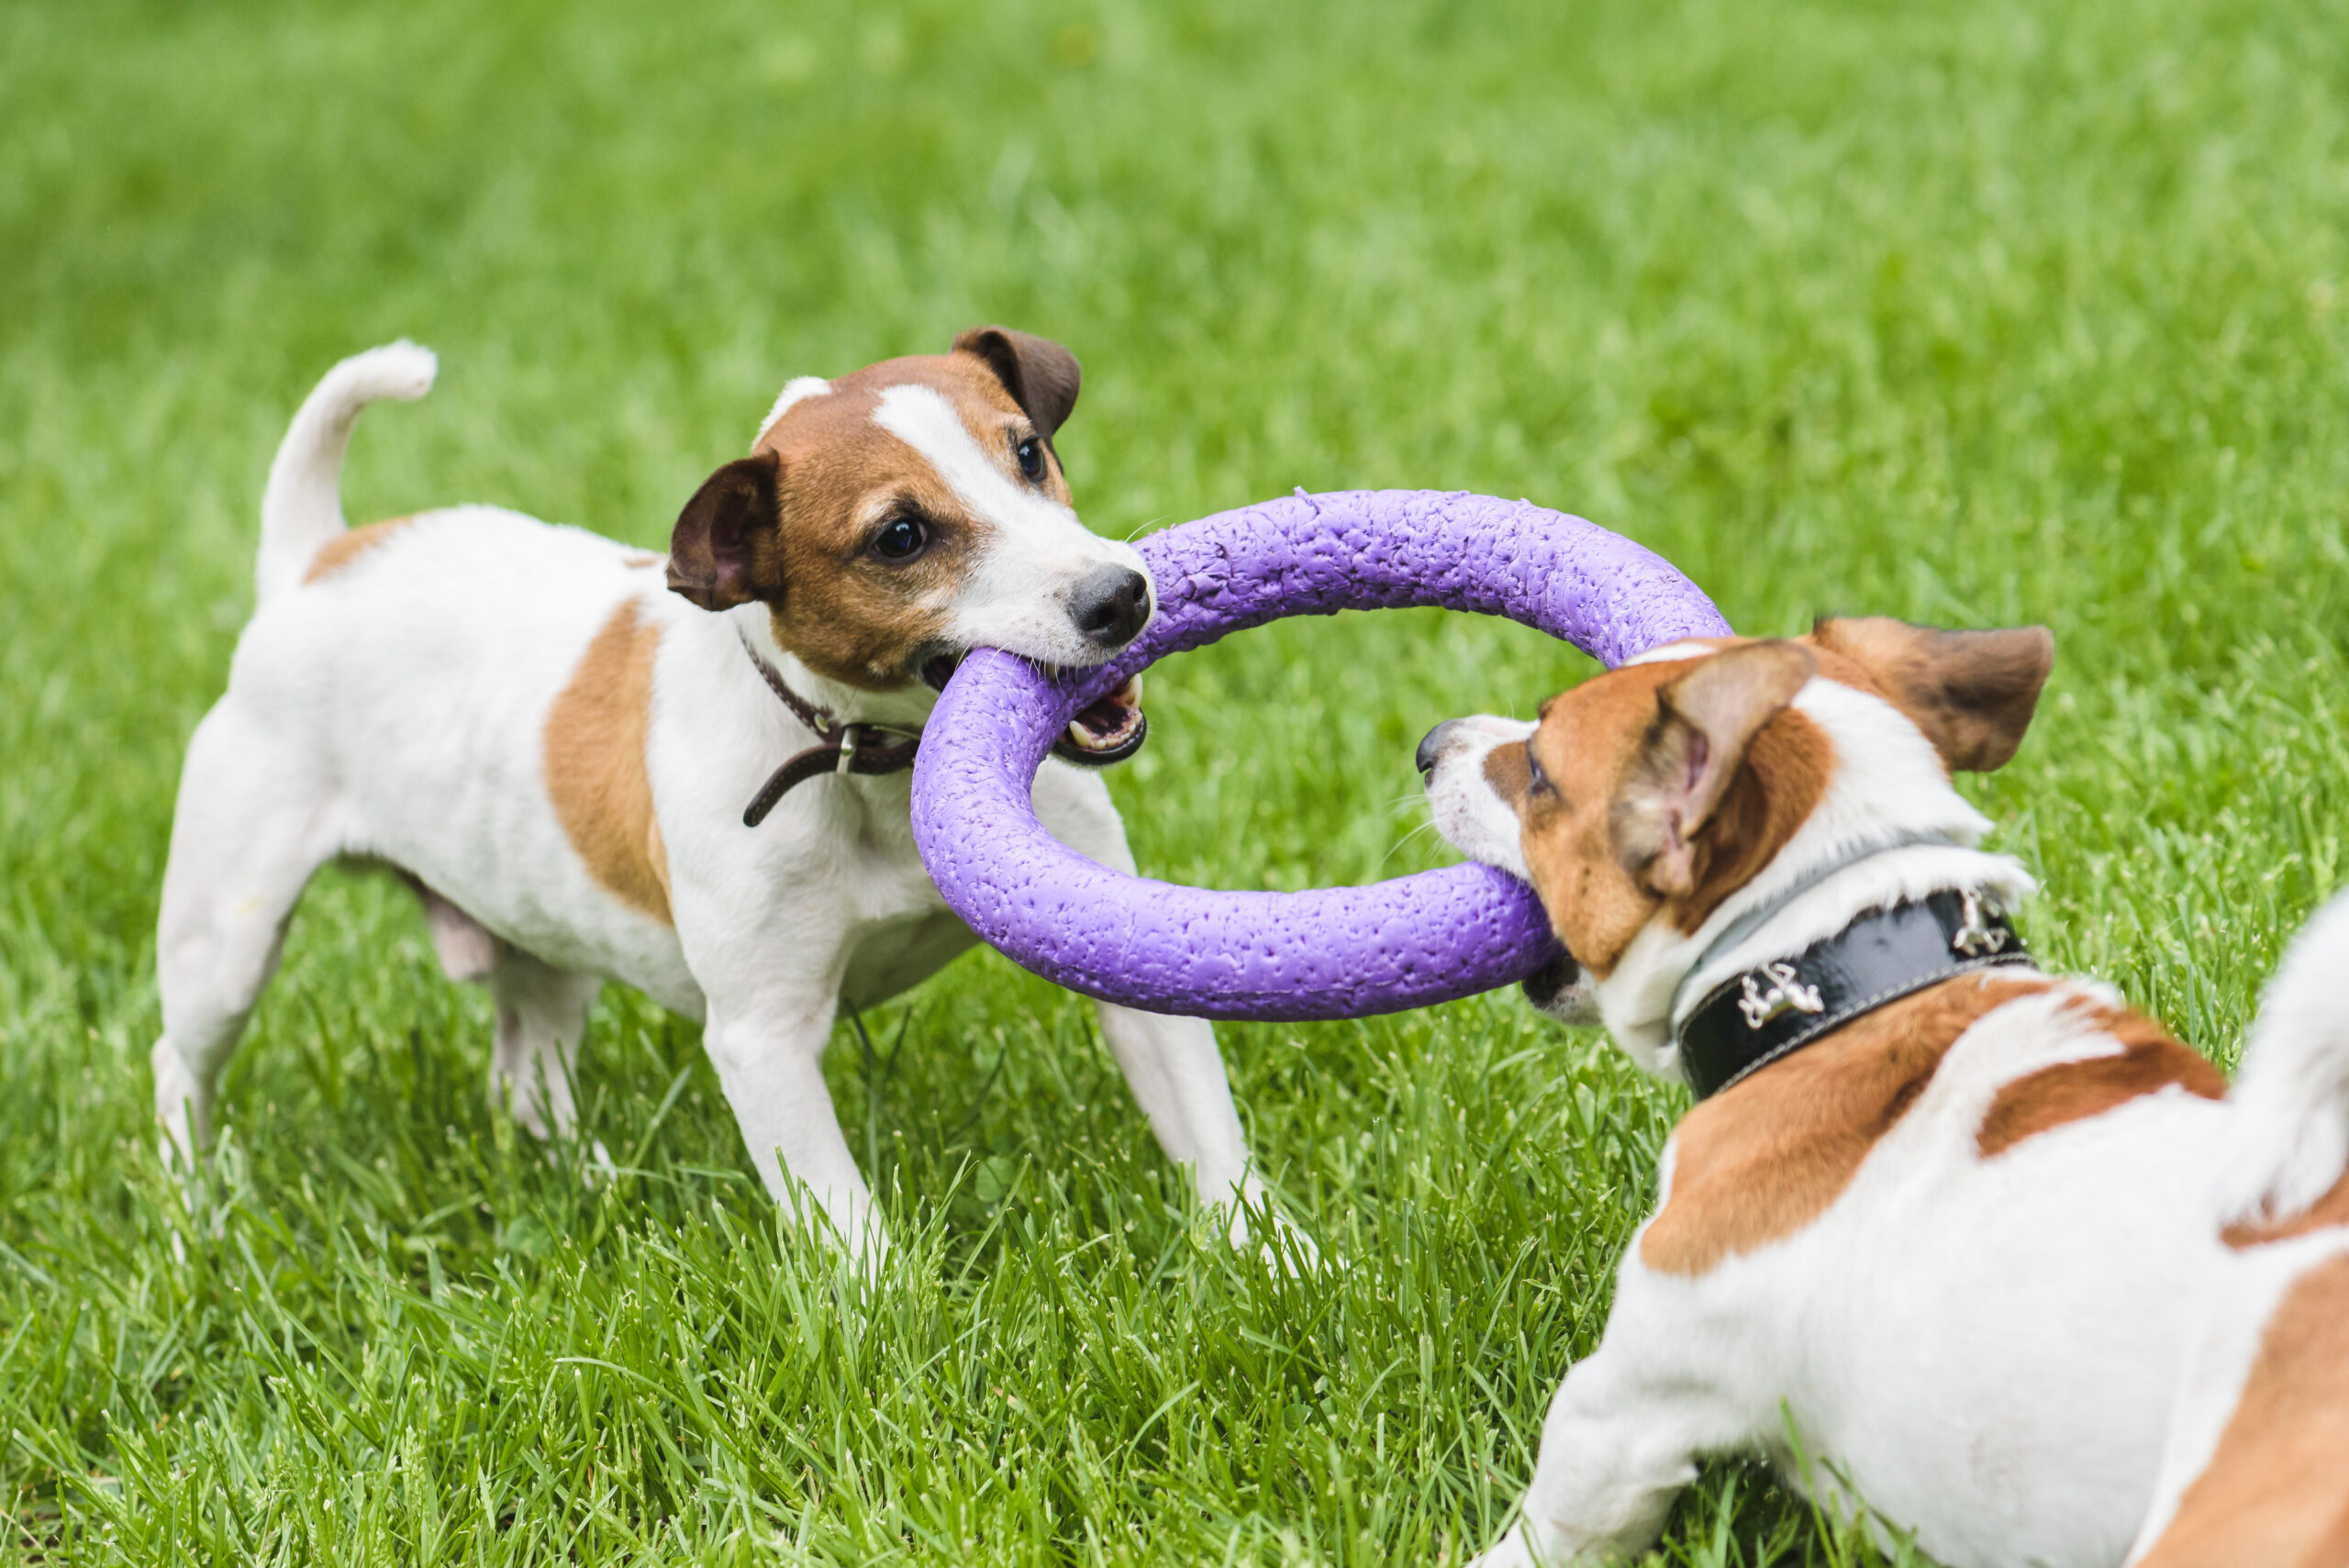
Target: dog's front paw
(1509, 1551)
(1522, 1548)
(1254, 1224)
(1289, 1250)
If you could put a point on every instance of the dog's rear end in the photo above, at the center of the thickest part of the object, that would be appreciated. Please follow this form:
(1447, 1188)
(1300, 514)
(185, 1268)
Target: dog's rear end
(228, 888)
(383, 696)
(2257, 1470)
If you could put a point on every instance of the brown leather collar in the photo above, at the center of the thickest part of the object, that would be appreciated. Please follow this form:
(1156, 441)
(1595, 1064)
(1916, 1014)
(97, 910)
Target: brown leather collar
(841, 748)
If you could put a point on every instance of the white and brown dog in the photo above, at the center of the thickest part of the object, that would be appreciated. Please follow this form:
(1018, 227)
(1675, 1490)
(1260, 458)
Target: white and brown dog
(1972, 1243)
(554, 737)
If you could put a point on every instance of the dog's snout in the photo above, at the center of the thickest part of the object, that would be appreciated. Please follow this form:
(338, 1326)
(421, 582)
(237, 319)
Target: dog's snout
(1111, 606)
(1552, 981)
(1431, 750)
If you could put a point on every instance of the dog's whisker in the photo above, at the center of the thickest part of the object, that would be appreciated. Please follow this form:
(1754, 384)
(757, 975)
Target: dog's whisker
(1404, 842)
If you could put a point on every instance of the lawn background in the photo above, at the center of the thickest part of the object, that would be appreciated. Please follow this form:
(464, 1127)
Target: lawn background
(1975, 314)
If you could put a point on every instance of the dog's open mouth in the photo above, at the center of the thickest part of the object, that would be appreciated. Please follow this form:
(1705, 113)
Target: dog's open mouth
(1110, 729)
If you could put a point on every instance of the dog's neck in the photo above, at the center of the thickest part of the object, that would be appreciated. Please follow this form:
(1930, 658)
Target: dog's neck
(907, 707)
(1889, 829)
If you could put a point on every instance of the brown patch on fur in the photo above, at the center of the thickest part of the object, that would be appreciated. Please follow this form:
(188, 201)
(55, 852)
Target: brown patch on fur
(350, 545)
(2275, 1486)
(1590, 739)
(2331, 1209)
(846, 615)
(1586, 737)
(2332, 1550)
(1507, 771)
(1762, 1160)
(2149, 1061)
(836, 477)
(1786, 771)
(641, 560)
(593, 757)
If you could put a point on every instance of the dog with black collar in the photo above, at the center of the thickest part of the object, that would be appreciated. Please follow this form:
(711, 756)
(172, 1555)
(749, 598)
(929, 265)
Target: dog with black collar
(687, 773)
(1968, 1244)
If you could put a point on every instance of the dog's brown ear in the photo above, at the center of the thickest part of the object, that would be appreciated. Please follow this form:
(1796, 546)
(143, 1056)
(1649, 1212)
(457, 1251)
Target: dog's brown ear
(1971, 693)
(1704, 720)
(1041, 376)
(723, 552)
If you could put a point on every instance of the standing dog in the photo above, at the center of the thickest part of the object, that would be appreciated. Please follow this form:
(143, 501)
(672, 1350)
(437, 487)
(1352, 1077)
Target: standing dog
(1976, 1241)
(553, 738)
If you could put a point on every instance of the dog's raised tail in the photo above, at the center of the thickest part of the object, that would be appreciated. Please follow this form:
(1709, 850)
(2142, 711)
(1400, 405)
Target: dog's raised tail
(2290, 1138)
(302, 508)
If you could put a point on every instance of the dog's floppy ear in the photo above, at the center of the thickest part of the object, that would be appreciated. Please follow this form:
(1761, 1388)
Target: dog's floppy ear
(723, 552)
(1040, 375)
(1971, 693)
(1704, 720)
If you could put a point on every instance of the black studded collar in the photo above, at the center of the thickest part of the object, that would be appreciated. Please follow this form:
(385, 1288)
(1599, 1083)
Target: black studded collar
(1764, 1014)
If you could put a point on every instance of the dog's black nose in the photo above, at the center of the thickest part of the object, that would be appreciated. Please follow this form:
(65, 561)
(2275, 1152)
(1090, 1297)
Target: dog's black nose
(1552, 981)
(1431, 750)
(1111, 606)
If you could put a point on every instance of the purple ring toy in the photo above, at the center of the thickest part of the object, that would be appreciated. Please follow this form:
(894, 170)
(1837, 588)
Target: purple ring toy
(1336, 952)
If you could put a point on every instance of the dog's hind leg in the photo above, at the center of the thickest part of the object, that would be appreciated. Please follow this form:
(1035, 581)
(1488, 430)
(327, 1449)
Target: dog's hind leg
(542, 1017)
(252, 824)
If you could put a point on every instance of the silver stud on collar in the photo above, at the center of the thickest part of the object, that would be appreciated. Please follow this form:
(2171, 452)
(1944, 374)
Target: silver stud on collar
(1786, 994)
(1974, 936)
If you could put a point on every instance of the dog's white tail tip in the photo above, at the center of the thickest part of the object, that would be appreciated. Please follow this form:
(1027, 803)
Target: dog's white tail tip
(2290, 1139)
(302, 508)
(399, 369)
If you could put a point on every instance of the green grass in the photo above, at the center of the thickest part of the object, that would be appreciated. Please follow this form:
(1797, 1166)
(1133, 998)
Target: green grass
(1972, 314)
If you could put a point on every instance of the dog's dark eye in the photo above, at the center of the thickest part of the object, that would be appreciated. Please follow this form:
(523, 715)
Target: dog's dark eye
(1030, 453)
(900, 539)
(1536, 781)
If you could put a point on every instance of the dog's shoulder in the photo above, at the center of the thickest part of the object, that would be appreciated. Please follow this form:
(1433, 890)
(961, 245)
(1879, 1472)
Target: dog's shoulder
(1762, 1161)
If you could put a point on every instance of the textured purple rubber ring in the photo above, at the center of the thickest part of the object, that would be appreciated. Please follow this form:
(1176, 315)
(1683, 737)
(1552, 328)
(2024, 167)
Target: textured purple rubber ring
(1336, 952)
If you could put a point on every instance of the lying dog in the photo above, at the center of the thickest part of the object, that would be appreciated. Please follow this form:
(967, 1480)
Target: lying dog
(555, 736)
(1976, 1241)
